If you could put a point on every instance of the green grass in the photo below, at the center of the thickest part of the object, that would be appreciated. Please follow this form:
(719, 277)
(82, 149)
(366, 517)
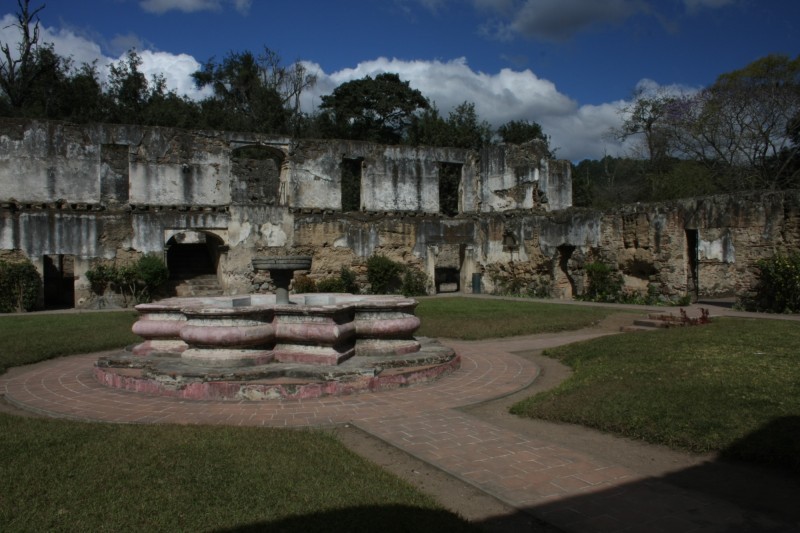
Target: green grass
(474, 318)
(35, 337)
(732, 386)
(71, 476)
(57, 475)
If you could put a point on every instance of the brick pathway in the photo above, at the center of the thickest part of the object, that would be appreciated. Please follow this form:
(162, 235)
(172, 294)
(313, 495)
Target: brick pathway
(568, 489)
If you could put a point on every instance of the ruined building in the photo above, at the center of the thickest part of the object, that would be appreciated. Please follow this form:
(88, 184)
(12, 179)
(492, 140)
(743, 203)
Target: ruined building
(74, 196)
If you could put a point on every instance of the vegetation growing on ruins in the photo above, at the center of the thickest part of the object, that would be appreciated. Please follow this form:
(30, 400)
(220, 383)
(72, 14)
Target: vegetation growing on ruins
(136, 282)
(777, 287)
(740, 133)
(729, 386)
(19, 286)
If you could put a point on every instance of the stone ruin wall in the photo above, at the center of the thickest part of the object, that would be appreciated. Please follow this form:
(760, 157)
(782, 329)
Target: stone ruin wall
(105, 193)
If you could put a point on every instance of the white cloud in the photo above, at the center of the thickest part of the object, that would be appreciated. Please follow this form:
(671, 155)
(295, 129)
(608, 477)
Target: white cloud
(577, 131)
(66, 42)
(191, 6)
(176, 68)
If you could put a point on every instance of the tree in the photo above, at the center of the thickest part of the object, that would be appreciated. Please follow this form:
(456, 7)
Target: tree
(646, 116)
(127, 89)
(19, 70)
(244, 97)
(428, 128)
(522, 131)
(741, 128)
(466, 129)
(288, 82)
(368, 109)
(462, 129)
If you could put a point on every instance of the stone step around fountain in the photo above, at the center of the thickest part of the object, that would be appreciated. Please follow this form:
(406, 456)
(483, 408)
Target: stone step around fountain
(318, 344)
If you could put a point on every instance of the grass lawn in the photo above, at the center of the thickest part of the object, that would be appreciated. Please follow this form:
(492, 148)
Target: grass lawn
(71, 476)
(475, 318)
(26, 339)
(57, 475)
(731, 386)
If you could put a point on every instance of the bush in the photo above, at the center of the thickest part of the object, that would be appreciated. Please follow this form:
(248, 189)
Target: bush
(415, 283)
(303, 284)
(348, 278)
(777, 287)
(100, 277)
(330, 285)
(138, 281)
(383, 275)
(604, 283)
(19, 286)
(540, 287)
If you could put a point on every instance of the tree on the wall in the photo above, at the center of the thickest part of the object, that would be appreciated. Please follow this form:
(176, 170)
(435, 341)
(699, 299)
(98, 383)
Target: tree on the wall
(371, 109)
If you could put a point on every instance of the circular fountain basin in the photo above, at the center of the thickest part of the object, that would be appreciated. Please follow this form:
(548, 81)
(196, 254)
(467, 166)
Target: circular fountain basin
(253, 347)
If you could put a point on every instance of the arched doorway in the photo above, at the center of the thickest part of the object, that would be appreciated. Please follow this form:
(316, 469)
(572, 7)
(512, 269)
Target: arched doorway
(192, 254)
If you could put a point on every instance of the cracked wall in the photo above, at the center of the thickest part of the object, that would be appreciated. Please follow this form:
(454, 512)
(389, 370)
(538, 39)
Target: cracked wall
(107, 192)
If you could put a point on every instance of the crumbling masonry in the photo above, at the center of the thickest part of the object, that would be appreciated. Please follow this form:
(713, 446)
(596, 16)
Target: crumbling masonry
(73, 196)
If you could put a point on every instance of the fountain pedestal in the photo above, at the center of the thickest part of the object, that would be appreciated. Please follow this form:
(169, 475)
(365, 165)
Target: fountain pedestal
(281, 271)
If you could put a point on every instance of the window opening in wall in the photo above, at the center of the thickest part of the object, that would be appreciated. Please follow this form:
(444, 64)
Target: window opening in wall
(257, 170)
(351, 184)
(692, 263)
(448, 280)
(449, 183)
(59, 281)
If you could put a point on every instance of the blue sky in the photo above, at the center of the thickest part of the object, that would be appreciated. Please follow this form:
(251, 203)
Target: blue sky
(568, 64)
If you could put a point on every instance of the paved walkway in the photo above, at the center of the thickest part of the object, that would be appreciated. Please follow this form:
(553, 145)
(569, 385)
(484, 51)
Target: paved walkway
(569, 489)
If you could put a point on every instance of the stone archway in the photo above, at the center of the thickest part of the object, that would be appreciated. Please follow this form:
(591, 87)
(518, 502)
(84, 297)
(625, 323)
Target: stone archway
(192, 253)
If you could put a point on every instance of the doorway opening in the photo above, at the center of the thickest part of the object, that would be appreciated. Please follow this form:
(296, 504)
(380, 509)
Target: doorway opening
(692, 263)
(59, 281)
(192, 254)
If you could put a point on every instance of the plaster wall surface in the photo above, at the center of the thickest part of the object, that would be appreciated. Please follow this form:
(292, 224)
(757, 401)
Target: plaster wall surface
(104, 192)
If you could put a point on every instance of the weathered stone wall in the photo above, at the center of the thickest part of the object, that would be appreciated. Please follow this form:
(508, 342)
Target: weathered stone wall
(104, 192)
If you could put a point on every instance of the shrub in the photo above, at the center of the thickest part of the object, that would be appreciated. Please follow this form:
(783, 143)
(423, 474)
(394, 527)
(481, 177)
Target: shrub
(19, 286)
(330, 285)
(415, 283)
(348, 278)
(604, 283)
(777, 287)
(540, 287)
(304, 284)
(138, 281)
(100, 277)
(383, 275)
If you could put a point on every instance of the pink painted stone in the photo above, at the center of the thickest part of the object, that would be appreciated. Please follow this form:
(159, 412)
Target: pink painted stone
(160, 326)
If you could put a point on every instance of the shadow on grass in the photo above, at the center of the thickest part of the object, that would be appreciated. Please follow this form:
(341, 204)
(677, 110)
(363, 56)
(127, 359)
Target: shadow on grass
(725, 494)
(390, 518)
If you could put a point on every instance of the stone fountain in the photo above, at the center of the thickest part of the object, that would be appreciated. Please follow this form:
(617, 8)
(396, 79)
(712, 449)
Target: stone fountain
(266, 346)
